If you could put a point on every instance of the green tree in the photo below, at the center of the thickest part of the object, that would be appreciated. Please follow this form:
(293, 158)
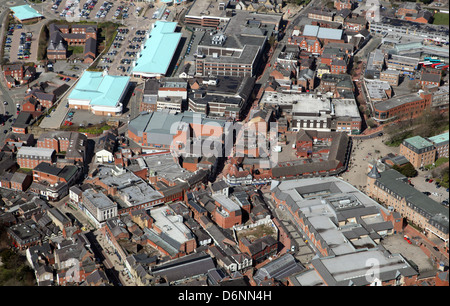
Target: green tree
(407, 170)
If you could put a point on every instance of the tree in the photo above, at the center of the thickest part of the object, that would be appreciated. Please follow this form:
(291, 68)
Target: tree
(407, 170)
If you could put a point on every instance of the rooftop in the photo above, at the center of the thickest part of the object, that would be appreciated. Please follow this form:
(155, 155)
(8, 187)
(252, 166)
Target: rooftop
(439, 139)
(99, 88)
(24, 12)
(158, 50)
(171, 224)
(329, 202)
(418, 142)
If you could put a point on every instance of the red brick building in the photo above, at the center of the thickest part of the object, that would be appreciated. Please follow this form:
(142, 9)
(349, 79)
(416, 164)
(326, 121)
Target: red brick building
(17, 74)
(260, 249)
(343, 4)
(30, 157)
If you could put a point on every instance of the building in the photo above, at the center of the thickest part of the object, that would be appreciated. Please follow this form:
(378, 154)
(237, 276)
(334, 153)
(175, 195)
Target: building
(412, 12)
(346, 116)
(61, 36)
(222, 54)
(419, 151)
(335, 217)
(23, 120)
(391, 76)
(227, 213)
(105, 147)
(320, 14)
(53, 175)
(17, 74)
(98, 207)
(393, 189)
(430, 79)
(352, 270)
(158, 50)
(202, 13)
(168, 223)
(404, 64)
(375, 64)
(45, 99)
(407, 106)
(221, 97)
(73, 144)
(236, 48)
(343, 4)
(377, 90)
(30, 157)
(440, 142)
(24, 235)
(440, 97)
(337, 84)
(164, 130)
(100, 93)
(410, 29)
(25, 14)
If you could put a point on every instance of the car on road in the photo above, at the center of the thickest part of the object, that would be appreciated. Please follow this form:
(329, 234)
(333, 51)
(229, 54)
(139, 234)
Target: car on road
(436, 249)
(427, 193)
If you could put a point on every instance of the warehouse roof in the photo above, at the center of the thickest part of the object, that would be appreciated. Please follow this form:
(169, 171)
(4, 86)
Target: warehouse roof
(24, 12)
(159, 49)
(100, 88)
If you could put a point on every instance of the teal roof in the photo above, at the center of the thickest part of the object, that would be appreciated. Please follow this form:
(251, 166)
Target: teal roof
(159, 49)
(418, 142)
(438, 139)
(99, 89)
(24, 12)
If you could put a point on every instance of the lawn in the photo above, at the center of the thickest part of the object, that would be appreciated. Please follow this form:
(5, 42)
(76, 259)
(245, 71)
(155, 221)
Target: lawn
(441, 19)
(76, 49)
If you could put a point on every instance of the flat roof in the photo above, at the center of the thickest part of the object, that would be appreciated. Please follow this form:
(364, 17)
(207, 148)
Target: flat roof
(441, 138)
(324, 33)
(171, 224)
(159, 49)
(396, 101)
(418, 142)
(35, 151)
(24, 12)
(99, 88)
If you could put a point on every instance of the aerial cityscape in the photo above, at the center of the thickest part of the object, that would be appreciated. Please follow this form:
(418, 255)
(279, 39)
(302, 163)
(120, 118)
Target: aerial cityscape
(217, 143)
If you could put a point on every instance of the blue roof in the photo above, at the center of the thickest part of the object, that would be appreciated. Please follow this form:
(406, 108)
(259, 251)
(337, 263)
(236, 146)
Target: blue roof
(324, 33)
(310, 30)
(99, 89)
(159, 49)
(438, 139)
(24, 12)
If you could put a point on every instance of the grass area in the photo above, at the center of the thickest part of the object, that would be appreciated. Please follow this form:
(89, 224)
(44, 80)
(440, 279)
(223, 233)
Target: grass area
(94, 130)
(441, 19)
(76, 49)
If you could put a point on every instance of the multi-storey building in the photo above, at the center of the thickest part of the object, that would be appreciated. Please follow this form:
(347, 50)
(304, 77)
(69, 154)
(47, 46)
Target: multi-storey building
(440, 142)
(419, 151)
(98, 206)
(402, 107)
(30, 157)
(410, 29)
(392, 188)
